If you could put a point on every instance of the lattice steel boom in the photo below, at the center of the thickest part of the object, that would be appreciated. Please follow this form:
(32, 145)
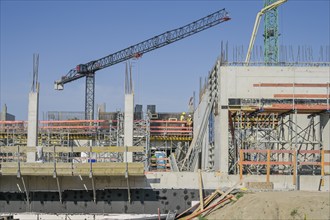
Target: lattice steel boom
(88, 69)
(271, 34)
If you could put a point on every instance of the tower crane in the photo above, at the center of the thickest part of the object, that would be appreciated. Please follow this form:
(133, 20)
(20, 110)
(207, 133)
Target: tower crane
(271, 32)
(89, 69)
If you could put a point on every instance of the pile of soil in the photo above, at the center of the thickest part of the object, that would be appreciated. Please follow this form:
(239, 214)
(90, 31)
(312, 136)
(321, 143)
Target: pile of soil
(277, 205)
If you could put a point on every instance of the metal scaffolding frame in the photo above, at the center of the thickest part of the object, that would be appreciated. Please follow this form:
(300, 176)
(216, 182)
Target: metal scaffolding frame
(274, 131)
(78, 133)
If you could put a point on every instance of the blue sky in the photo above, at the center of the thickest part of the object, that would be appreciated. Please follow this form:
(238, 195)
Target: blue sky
(66, 33)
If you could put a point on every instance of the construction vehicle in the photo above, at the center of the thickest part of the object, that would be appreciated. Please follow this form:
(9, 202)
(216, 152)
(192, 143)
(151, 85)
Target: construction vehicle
(89, 69)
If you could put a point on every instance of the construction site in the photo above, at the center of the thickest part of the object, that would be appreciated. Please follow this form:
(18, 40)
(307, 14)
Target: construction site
(259, 121)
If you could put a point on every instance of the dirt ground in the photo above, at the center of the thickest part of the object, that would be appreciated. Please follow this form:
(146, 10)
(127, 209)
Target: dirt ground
(277, 205)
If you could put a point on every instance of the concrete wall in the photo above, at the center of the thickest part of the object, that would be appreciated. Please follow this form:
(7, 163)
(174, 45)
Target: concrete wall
(240, 82)
(237, 81)
(198, 120)
(166, 191)
(160, 180)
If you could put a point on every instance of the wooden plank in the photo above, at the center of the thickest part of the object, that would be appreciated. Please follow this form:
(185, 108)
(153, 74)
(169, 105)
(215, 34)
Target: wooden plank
(71, 121)
(318, 107)
(117, 149)
(310, 163)
(12, 122)
(9, 165)
(108, 165)
(64, 169)
(309, 151)
(75, 165)
(294, 167)
(254, 162)
(241, 160)
(69, 172)
(281, 162)
(222, 197)
(109, 149)
(9, 170)
(268, 166)
(9, 149)
(60, 165)
(253, 151)
(200, 184)
(302, 96)
(207, 209)
(322, 168)
(230, 196)
(36, 171)
(292, 84)
(228, 191)
(281, 151)
(106, 172)
(207, 200)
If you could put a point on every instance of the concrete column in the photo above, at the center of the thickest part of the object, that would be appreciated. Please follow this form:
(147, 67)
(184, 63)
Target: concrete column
(128, 125)
(221, 141)
(226, 84)
(32, 140)
(205, 151)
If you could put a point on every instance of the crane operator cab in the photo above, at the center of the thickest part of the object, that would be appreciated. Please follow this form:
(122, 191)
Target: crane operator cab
(81, 68)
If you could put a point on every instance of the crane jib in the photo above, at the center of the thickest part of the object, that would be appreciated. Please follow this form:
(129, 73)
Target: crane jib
(139, 49)
(88, 70)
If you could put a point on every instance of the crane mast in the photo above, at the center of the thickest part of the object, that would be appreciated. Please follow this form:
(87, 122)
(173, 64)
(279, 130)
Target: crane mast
(88, 69)
(271, 34)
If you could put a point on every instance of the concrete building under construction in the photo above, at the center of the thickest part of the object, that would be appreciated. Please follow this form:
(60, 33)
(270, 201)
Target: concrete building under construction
(266, 122)
(253, 123)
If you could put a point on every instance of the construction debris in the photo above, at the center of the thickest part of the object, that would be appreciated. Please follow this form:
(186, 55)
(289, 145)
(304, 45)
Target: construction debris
(210, 203)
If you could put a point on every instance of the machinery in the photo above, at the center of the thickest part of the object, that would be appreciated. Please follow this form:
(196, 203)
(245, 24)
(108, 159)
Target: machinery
(89, 69)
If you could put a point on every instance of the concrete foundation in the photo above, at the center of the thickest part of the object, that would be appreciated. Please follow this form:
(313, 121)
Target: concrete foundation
(173, 180)
(167, 191)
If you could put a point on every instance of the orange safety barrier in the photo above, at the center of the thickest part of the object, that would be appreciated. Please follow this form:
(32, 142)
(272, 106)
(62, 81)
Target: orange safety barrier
(170, 127)
(167, 121)
(12, 122)
(293, 163)
(170, 131)
(74, 127)
(71, 121)
(160, 167)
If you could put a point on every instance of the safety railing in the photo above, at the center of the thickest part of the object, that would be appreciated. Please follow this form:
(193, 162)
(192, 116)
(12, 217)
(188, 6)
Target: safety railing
(268, 158)
(160, 164)
(170, 127)
(69, 161)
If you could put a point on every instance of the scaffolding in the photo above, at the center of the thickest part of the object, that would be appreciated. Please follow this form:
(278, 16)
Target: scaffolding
(66, 132)
(254, 130)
